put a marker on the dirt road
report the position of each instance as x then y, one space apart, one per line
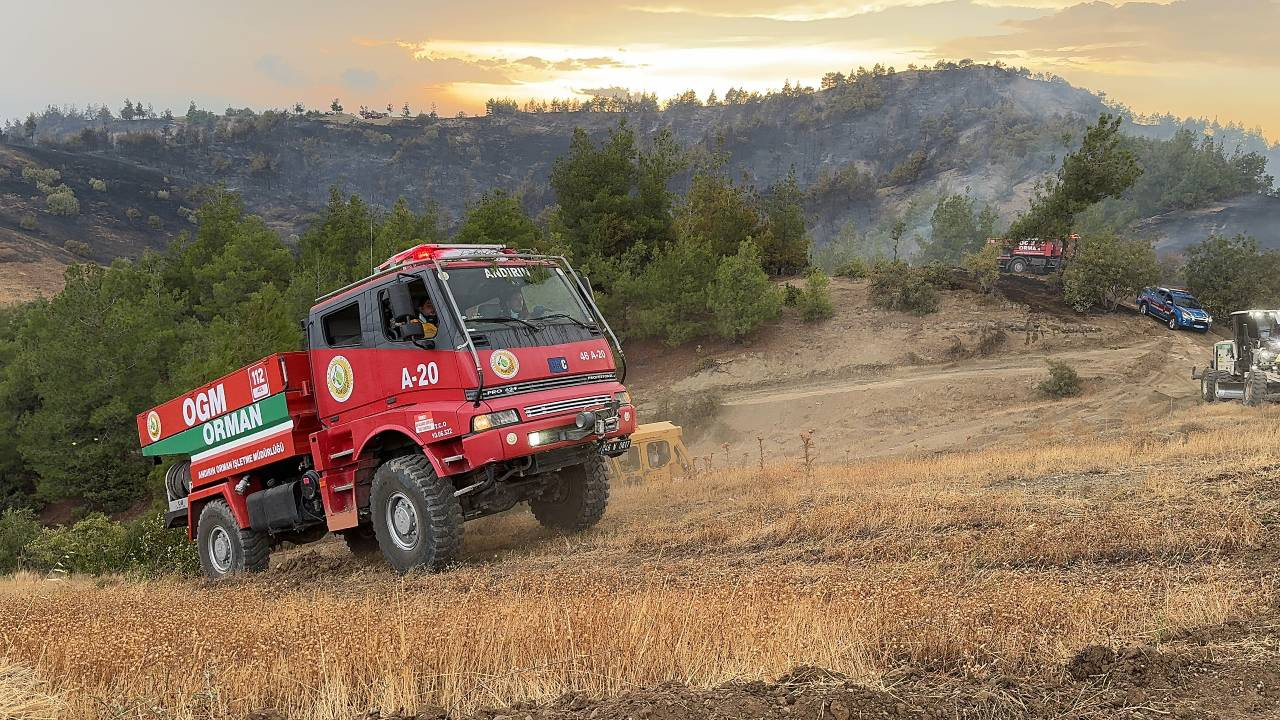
870 382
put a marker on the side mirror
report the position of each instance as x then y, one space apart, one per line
401 302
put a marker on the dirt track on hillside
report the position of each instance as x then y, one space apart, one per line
870 382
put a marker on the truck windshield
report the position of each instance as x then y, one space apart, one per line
533 297
1186 301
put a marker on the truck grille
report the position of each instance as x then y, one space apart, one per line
547 384
564 406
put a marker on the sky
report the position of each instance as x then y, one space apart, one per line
1203 58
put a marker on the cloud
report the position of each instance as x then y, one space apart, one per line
359 78
279 71
1219 32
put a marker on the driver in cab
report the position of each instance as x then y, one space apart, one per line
427 318
511 303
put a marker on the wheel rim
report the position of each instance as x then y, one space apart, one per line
1142 309
220 550
402 522
1173 323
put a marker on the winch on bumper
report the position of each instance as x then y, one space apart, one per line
610 427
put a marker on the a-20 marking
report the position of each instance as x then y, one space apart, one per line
592 355
425 375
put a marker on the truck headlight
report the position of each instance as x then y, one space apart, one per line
623 398
480 423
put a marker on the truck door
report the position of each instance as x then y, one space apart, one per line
343 362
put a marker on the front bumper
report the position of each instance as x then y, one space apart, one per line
523 439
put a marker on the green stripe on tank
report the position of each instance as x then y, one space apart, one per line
224 428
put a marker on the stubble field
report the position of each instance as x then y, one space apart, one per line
1131 576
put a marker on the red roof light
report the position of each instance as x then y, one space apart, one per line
437 251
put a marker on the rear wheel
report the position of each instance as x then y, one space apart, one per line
226 549
575 500
1255 388
416 518
361 541
1209 386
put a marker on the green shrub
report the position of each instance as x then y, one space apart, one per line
741 298
63 203
95 545
152 549
1063 381
99 185
154 221
898 286
815 300
75 247
790 295
37 176
854 269
984 266
133 213
18 527
28 221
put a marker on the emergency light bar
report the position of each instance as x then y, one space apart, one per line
437 251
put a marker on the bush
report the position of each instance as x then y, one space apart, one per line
155 221
133 213
18 527
815 300
95 545
1063 381
38 176
99 185
1107 269
898 286
63 203
790 295
161 194
854 269
154 550
984 266
741 298
27 221
75 247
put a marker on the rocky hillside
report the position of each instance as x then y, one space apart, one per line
885 144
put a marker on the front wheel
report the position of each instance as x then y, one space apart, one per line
1209 386
416 518
1255 388
226 549
1142 308
1173 322
1018 266
576 499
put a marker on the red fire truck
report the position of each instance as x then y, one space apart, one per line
1034 255
453 383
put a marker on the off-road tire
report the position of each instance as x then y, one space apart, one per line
1142 308
245 550
1255 388
1209 386
409 482
1018 266
1173 322
361 541
576 500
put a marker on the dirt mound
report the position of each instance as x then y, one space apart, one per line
1127 667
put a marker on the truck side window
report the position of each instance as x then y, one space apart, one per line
418 290
342 326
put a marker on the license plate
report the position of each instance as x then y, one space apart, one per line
616 446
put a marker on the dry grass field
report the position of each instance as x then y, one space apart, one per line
911 577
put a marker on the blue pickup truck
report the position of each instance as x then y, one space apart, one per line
1177 308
